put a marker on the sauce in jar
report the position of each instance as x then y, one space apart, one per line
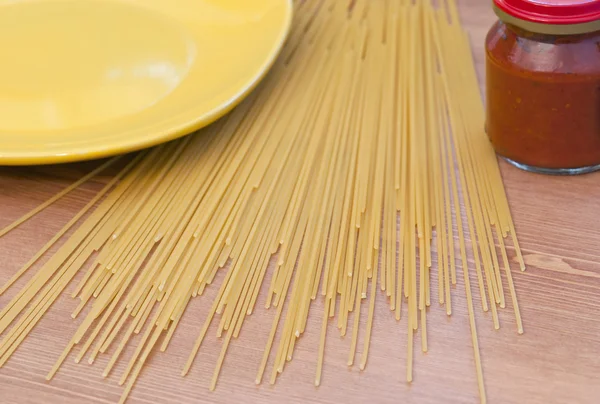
543 84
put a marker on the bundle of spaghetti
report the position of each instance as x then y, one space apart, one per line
371 115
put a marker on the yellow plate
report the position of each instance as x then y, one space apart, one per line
82 79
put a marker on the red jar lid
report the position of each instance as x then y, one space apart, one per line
555 12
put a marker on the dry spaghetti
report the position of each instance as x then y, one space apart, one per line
371 115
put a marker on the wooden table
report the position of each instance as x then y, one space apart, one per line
557 360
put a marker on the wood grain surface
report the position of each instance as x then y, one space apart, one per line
557 360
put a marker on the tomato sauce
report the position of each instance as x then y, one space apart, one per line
543 98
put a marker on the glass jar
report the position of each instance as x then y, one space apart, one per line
543 84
